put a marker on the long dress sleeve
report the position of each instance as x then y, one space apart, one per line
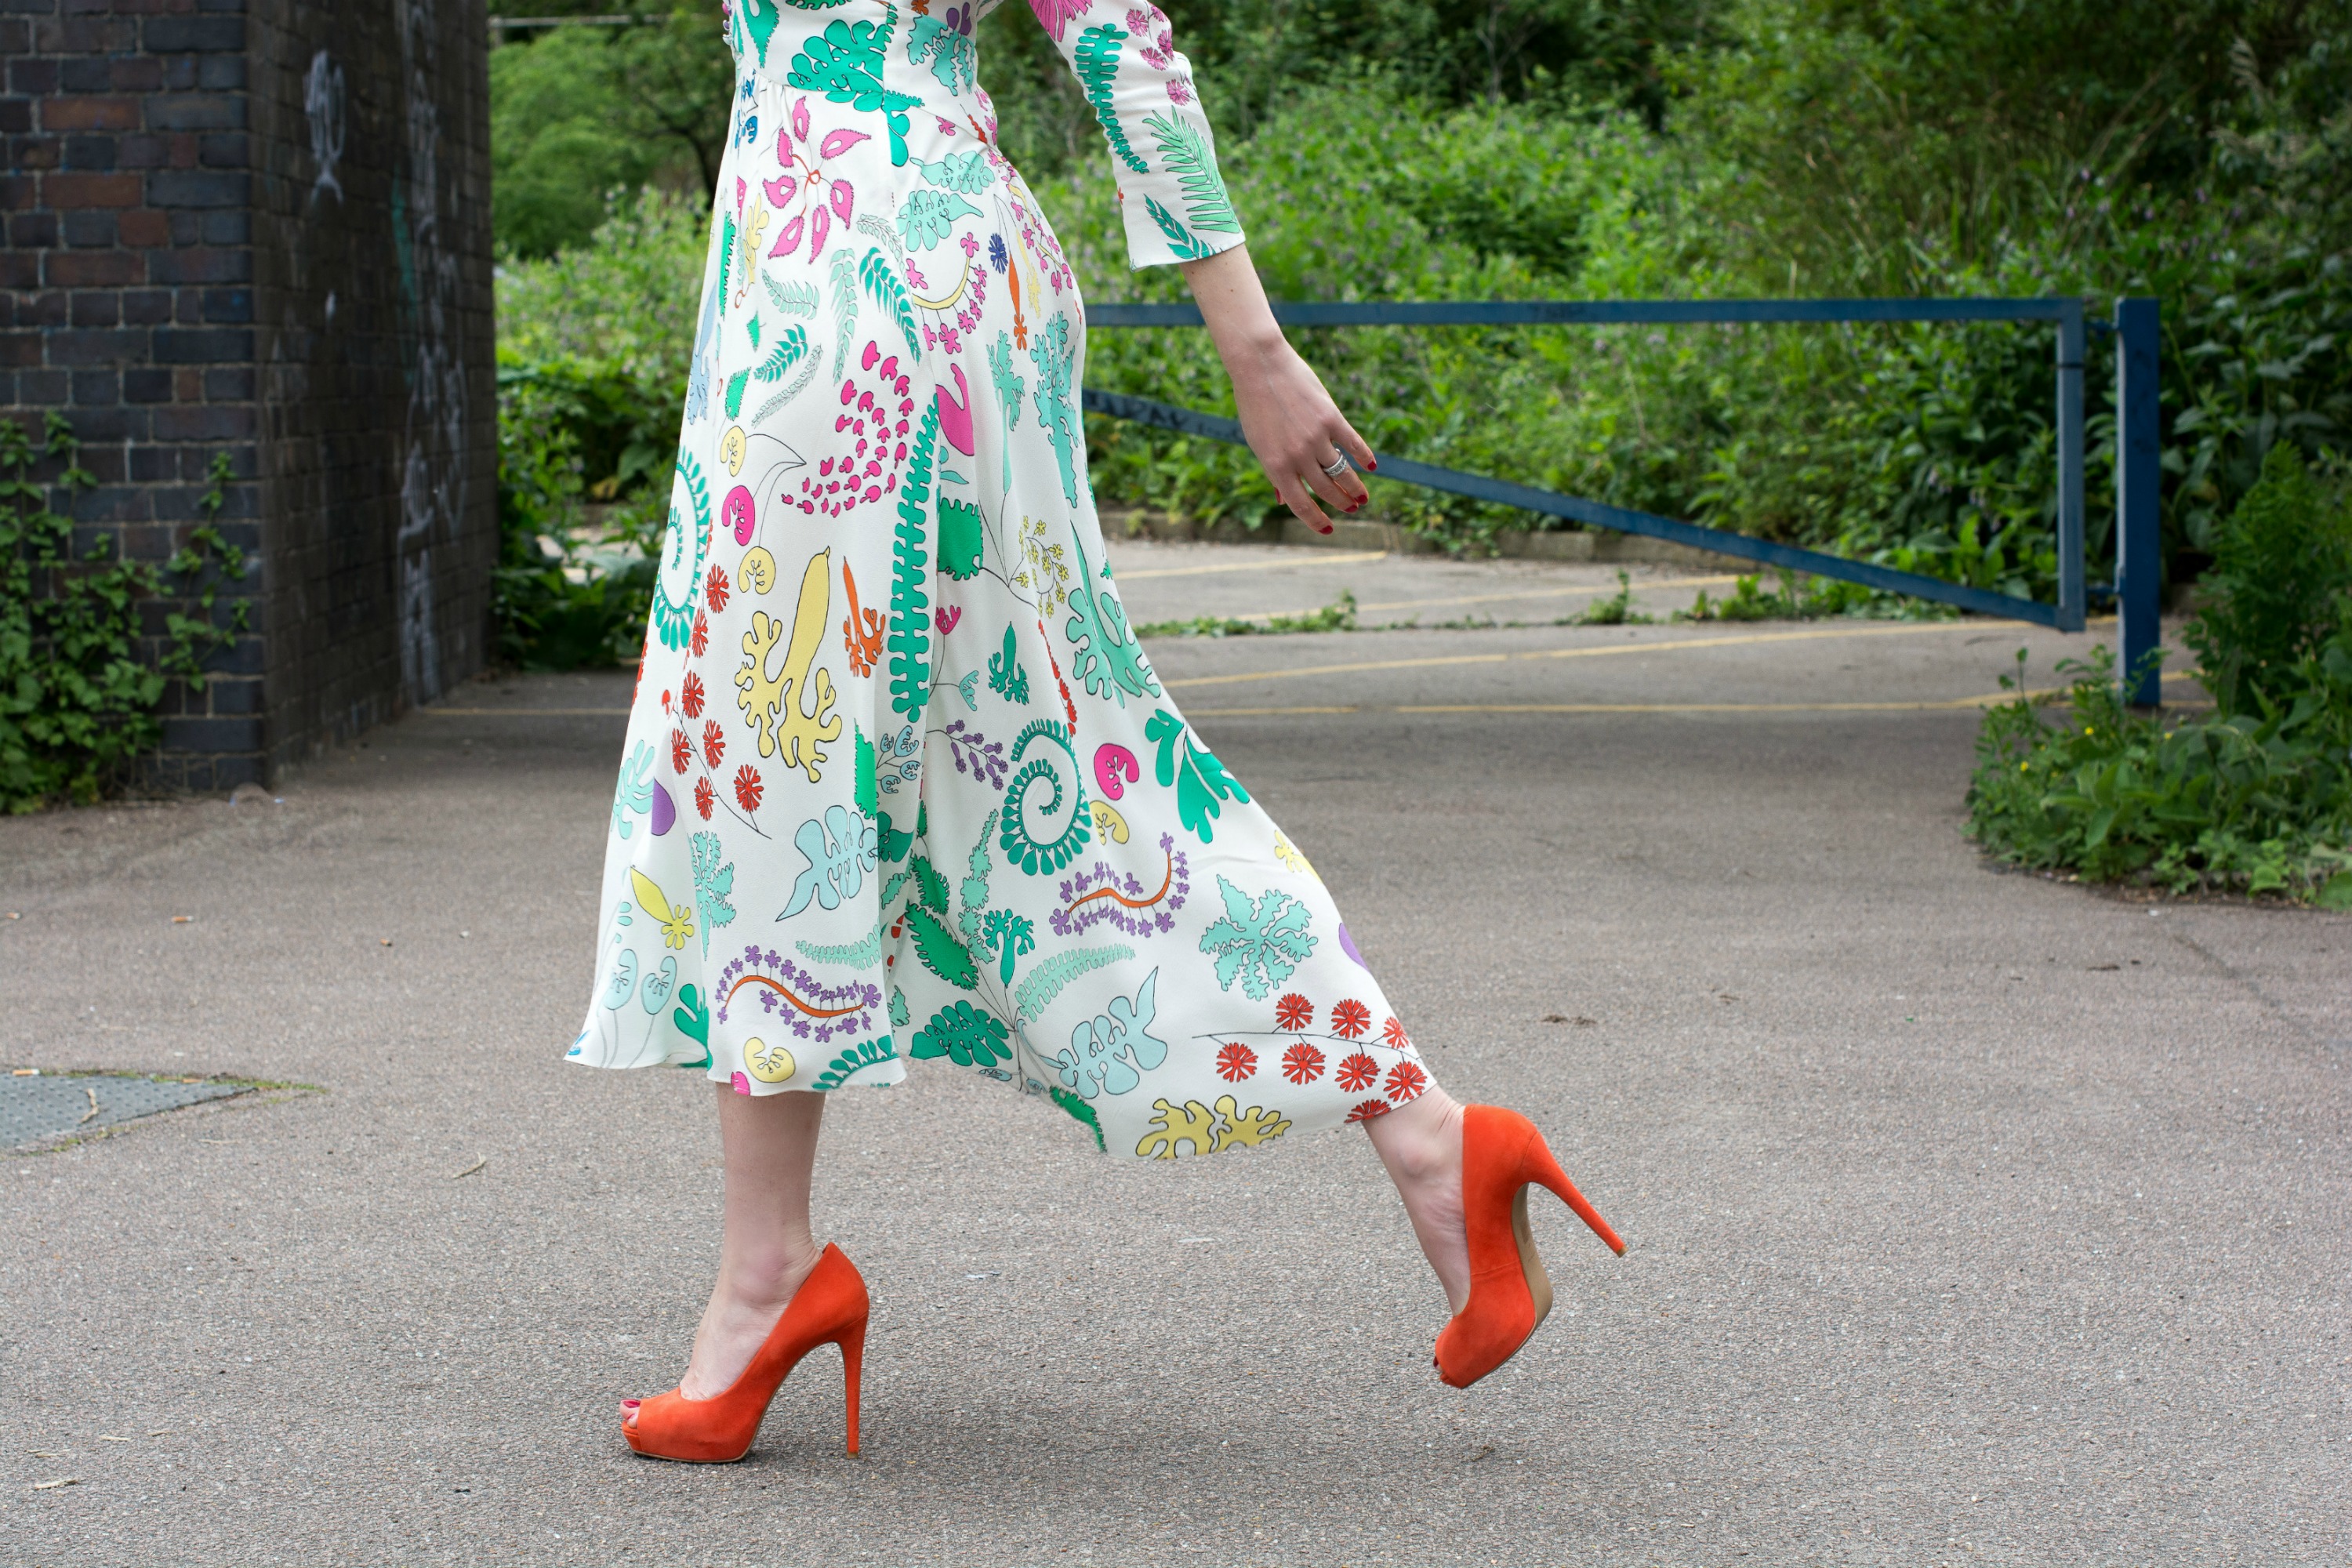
1163 156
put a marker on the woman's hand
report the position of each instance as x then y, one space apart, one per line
1289 421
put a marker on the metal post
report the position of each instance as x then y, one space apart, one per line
2139 534
2071 596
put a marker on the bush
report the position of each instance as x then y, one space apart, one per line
2256 797
77 703
593 350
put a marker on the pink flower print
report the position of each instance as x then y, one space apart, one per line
1180 89
971 245
1056 16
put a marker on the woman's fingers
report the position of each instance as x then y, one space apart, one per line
1339 491
1359 450
1301 502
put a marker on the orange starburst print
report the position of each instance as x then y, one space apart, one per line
681 751
1294 1012
1302 1063
1349 1019
1392 1035
714 743
748 790
714 587
1405 1082
689 696
1237 1062
705 797
1368 1109
1356 1072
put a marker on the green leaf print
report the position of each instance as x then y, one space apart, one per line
1260 942
967 1035
1008 390
910 604
862 953
1081 1109
931 886
1199 779
751 330
787 353
758 19
1006 676
1009 936
846 63
1045 981
712 884
1107 657
1097 59
792 298
973 890
735 384
845 306
960 539
865 786
882 282
1052 354
965 172
692 1016
954 61
942 953
864 1054
634 792
1185 152
1180 239
930 217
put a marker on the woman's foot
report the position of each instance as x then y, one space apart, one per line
744 1308
1420 1144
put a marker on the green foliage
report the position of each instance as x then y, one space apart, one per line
2256 797
78 702
1798 598
1339 616
2279 587
580 114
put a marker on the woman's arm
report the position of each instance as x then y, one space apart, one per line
1290 422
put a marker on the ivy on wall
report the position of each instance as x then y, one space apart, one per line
77 703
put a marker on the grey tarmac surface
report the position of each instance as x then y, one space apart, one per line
1974 1218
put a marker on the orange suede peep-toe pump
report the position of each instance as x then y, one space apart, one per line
830 1308
1502 1155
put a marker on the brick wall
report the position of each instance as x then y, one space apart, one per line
262 227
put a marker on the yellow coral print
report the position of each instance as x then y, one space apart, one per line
769 1064
1246 1128
1194 1123
792 709
758 572
1290 856
677 925
1108 822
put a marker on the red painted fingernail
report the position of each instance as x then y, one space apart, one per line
1371 462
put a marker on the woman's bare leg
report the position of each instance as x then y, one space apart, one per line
1420 1144
765 1250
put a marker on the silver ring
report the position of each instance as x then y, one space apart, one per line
1337 466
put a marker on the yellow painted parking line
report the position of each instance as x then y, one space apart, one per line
528 712
1319 558
1811 634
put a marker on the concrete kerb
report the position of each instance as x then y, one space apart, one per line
1583 546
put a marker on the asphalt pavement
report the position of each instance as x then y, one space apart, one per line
1974 1218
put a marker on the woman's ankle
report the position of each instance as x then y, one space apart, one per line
1422 1140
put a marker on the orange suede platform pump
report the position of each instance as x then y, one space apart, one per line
830 1308
1502 1154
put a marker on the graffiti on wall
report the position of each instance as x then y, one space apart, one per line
433 476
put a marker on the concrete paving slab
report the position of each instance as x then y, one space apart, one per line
1975 1217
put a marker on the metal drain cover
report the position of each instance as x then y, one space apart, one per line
32 1109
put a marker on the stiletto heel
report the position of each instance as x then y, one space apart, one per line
1510 1294
830 1308
853 1375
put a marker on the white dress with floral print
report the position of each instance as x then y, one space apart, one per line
899 781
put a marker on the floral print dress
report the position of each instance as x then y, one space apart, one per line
899 781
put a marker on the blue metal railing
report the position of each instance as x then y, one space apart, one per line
2137 547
